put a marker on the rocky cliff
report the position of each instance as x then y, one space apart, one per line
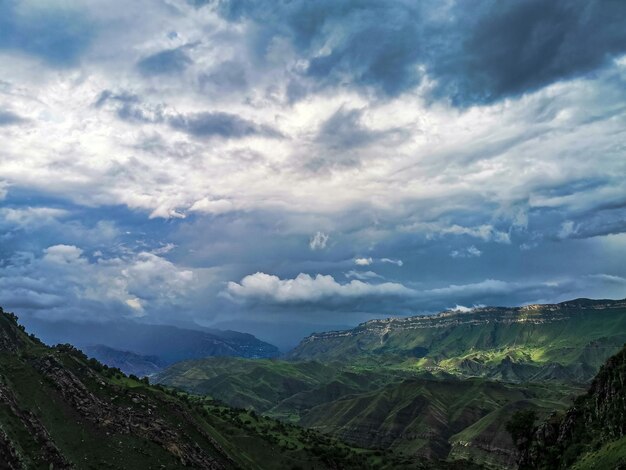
585 433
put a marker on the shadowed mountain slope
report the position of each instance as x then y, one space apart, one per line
592 433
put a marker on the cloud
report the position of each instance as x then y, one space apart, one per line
319 241
63 254
523 46
305 288
165 62
261 290
469 54
31 216
344 139
485 232
407 131
367 43
219 124
461 309
363 261
470 252
363 275
64 283
208 206
397 262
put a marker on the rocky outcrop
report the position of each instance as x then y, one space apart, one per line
598 417
49 452
123 420
9 457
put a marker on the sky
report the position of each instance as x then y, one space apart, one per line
282 167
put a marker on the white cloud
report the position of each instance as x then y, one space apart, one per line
63 254
319 241
363 275
219 206
306 288
67 282
470 252
461 309
31 216
568 228
485 232
397 262
162 250
363 261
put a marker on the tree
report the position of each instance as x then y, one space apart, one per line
521 427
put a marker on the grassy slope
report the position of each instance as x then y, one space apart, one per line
611 455
373 407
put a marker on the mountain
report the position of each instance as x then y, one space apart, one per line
567 341
61 410
438 387
126 361
168 343
589 435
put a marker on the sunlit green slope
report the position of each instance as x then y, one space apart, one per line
567 342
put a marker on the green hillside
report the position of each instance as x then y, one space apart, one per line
416 414
566 342
60 410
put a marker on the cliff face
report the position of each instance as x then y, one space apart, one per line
536 314
596 420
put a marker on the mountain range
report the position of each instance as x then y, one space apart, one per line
439 386
143 349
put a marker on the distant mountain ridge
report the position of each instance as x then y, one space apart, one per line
533 313
567 341
128 362
168 343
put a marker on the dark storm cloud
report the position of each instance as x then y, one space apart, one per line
218 124
58 36
345 130
478 52
166 62
129 107
519 46
372 43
